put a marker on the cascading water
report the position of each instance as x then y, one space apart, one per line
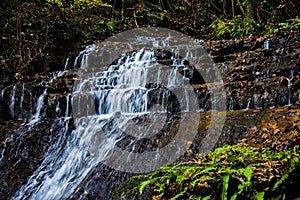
230 104
83 57
248 103
35 118
113 101
12 101
66 63
40 101
121 94
289 91
22 100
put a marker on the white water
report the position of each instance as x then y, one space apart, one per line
290 85
230 101
84 54
121 94
248 103
16 101
292 73
266 44
2 93
66 63
12 101
40 102
21 101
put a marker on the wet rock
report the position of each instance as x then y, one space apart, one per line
256 76
22 152
23 146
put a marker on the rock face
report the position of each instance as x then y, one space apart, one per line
258 73
22 152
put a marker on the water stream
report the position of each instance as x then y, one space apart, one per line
21 101
104 111
12 101
121 95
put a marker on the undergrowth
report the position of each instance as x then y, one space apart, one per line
230 172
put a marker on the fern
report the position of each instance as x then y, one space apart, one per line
179 195
293 164
242 170
225 179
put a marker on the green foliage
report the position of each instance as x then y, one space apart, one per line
37 36
230 172
259 196
246 17
235 27
84 3
293 24
225 182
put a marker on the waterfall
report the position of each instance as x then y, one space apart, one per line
40 102
66 63
14 98
117 104
83 55
266 44
12 101
290 85
122 95
230 102
248 103
292 73
21 101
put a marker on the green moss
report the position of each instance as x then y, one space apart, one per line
230 172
